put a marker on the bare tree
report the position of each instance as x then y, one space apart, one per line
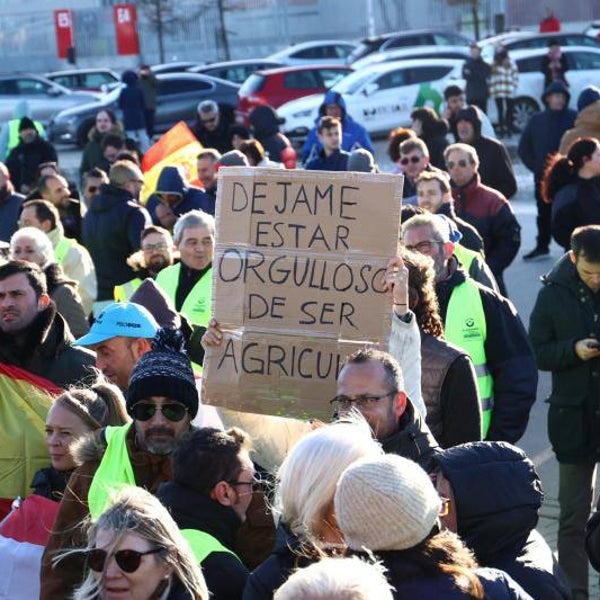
474 4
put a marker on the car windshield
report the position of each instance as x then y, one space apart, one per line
354 81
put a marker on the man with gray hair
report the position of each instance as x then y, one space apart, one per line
212 125
112 228
485 325
189 283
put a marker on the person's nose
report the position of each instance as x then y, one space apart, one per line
158 418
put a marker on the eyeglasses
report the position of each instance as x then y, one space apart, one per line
422 247
127 560
144 411
459 163
153 247
254 484
413 159
362 401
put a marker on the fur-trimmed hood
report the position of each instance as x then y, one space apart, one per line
89 448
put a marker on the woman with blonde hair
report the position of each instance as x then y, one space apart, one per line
304 500
135 550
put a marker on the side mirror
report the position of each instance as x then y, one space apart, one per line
54 91
370 88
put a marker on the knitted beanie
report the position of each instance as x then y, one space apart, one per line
588 96
164 371
386 503
26 123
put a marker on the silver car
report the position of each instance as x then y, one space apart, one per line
43 96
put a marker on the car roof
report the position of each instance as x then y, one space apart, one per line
310 67
76 71
401 34
233 63
196 77
414 62
528 52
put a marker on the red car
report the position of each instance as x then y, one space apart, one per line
278 86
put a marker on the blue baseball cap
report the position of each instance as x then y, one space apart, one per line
120 319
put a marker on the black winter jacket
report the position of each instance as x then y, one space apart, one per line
24 160
497 519
220 137
265 125
477 73
566 310
47 351
111 232
509 358
224 573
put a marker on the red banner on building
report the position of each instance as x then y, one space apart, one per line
125 17
63 24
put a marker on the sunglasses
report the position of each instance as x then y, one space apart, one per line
127 560
144 411
459 163
413 159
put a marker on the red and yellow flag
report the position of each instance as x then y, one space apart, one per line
177 147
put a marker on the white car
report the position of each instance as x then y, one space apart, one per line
381 97
332 52
584 69
375 58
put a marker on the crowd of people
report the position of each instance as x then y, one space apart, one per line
415 489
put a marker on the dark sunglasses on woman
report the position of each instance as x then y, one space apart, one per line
127 560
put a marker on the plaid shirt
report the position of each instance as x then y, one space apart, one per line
504 80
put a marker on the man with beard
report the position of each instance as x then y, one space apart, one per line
162 399
156 253
55 189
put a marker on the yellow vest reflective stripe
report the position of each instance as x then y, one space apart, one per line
123 292
13 133
114 472
465 256
60 252
203 544
466 327
197 304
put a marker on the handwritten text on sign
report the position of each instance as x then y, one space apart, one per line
298 283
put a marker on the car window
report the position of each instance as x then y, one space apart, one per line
354 81
315 52
8 87
70 81
533 64
442 39
252 85
584 60
31 87
181 86
95 80
580 40
341 51
302 80
392 79
329 77
409 40
426 74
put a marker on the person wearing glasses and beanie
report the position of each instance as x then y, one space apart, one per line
135 550
213 484
388 505
162 399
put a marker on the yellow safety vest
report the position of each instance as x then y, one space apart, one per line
115 470
466 327
62 248
203 544
465 256
13 133
124 291
196 306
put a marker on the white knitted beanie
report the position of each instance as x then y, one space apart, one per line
386 503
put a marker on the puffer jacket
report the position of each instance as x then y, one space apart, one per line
497 496
565 311
587 124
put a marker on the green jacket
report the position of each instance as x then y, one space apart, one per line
566 311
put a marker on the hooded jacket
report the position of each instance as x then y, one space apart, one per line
171 181
354 135
497 520
566 310
111 231
24 160
265 125
131 102
587 124
495 166
476 73
224 573
435 136
544 130
92 153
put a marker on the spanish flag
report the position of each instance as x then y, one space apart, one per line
177 147
25 399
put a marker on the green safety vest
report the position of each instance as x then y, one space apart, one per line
465 256
197 304
124 291
60 252
115 470
466 327
203 544
13 133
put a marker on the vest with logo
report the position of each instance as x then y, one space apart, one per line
466 327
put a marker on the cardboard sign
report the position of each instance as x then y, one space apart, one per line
298 272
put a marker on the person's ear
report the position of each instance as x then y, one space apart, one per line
140 346
400 404
43 301
572 256
448 249
46 225
223 493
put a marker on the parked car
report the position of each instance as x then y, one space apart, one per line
178 98
235 71
44 97
584 66
593 30
380 97
278 86
180 66
460 52
407 39
320 51
85 79
522 41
